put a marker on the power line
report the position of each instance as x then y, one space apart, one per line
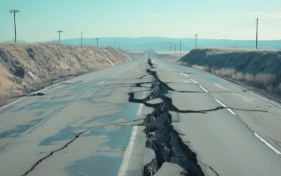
271 23
47 26
277 19
39 23
15 11
236 26
236 32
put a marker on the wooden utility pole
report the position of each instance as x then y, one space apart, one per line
15 11
59 34
81 38
180 48
196 40
257 33
97 41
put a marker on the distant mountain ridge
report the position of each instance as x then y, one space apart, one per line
165 44
160 44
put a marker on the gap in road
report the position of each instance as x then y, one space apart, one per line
161 136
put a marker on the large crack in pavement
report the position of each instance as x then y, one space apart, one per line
161 136
51 153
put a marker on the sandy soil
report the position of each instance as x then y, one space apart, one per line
22 66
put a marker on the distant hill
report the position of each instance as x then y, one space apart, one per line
12 41
160 44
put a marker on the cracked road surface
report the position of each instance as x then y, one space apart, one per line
145 117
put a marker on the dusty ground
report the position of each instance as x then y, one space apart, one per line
25 67
256 70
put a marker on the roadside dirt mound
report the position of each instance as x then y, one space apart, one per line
24 67
260 69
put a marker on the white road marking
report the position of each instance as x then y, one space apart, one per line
220 103
12 103
265 99
128 152
22 99
220 86
194 81
225 106
266 143
278 105
100 83
184 74
110 62
231 111
204 89
238 86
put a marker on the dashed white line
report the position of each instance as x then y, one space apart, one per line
204 89
184 74
223 105
231 111
266 143
128 152
220 103
193 81
100 83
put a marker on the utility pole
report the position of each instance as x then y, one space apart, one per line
257 33
81 38
97 41
180 48
59 34
196 40
15 11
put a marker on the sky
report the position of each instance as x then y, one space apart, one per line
38 20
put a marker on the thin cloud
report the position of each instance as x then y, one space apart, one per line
267 15
156 16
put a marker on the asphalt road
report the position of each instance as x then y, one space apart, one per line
172 119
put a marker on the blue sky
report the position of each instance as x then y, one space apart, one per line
218 19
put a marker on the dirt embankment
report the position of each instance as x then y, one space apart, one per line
25 67
258 70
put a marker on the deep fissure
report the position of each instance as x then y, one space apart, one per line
160 134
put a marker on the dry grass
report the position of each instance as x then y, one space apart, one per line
3 96
261 80
202 68
7 94
49 62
